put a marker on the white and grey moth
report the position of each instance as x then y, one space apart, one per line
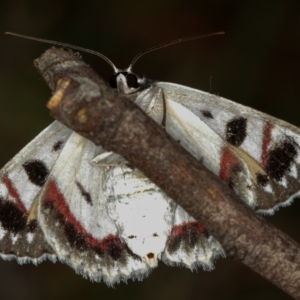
63 198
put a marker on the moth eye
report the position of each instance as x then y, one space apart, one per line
113 81
132 81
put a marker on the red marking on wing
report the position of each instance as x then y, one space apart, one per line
228 160
14 194
110 240
188 233
266 142
185 228
54 195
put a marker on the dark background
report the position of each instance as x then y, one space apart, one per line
256 63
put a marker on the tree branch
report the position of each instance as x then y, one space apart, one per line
83 102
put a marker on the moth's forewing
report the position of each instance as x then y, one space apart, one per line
21 182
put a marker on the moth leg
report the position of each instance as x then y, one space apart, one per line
109 159
153 102
101 157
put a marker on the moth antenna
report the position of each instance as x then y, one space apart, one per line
67 46
163 45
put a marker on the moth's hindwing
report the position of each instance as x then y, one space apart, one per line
110 222
74 216
189 244
21 182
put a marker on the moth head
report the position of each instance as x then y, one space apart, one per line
126 82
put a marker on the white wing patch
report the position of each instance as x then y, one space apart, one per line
133 199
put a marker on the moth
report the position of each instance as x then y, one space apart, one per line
63 198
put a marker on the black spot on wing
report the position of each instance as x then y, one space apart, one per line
86 195
280 159
37 171
12 218
32 225
114 249
262 179
57 146
207 114
75 238
236 131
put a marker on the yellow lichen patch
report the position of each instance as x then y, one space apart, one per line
62 85
81 115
